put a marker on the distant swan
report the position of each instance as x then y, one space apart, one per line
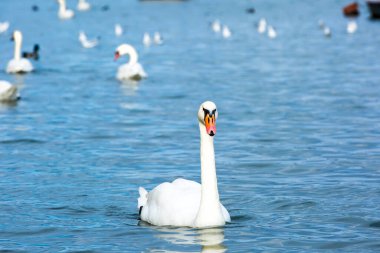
8 92
86 43
147 40
18 64
4 26
352 26
226 33
64 13
131 70
184 202
157 38
118 30
83 5
262 26
272 32
216 26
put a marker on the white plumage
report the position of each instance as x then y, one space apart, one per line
131 70
118 30
64 13
4 26
18 64
184 202
8 92
83 5
86 43
226 33
352 26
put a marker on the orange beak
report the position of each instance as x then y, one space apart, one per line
117 55
210 124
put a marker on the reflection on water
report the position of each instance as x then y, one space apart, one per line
129 87
210 239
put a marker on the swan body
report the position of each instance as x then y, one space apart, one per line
352 26
131 70
262 26
272 32
147 40
118 30
8 92
86 43
216 26
18 64
83 5
157 38
64 13
184 202
4 26
226 33
327 31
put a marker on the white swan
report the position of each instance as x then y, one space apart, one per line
157 38
118 30
4 26
272 32
131 70
86 43
184 202
8 92
327 31
147 40
262 26
18 64
352 26
216 27
226 33
83 5
64 13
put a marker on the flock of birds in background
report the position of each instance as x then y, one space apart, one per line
129 71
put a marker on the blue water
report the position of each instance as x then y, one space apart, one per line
297 148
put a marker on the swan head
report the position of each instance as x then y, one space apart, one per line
207 116
125 49
17 36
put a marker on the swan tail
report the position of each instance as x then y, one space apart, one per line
141 201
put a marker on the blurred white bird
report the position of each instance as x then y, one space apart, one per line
86 43
157 38
118 30
262 26
327 31
216 27
83 5
226 33
8 92
272 32
146 40
4 26
64 13
352 26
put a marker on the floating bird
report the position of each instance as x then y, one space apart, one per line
187 203
83 5
8 92
18 64
250 10
86 43
157 38
4 26
262 26
33 55
118 30
64 13
271 32
352 26
226 33
327 31
105 8
35 8
131 70
146 40
216 27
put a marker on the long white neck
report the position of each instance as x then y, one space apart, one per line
62 6
17 50
209 213
133 57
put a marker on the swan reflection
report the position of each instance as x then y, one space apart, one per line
210 239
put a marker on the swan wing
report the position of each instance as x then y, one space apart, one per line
16 66
174 204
